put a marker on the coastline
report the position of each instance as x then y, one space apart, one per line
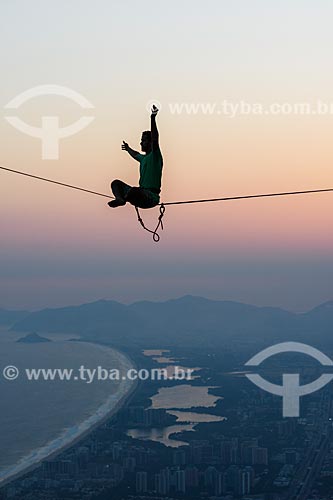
72 435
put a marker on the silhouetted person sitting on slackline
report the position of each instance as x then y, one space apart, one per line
151 163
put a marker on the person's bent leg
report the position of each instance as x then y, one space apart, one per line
120 190
141 198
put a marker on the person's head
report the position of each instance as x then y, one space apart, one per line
146 141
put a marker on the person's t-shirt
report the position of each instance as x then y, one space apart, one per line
151 166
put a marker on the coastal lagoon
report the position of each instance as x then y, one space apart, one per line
161 435
184 396
40 416
195 418
164 434
175 400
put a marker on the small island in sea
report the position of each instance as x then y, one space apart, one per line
33 338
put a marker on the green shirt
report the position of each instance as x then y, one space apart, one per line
151 166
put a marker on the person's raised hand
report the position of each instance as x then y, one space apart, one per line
124 146
154 110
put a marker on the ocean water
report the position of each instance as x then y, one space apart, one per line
39 417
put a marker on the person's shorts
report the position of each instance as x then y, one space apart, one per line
138 196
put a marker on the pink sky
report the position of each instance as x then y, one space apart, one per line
60 246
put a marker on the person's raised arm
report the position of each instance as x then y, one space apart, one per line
134 154
154 131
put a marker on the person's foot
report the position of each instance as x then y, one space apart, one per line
116 203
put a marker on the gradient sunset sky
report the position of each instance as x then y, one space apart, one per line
61 247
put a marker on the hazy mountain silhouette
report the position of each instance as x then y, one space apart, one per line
187 319
10 317
93 319
190 316
33 338
319 319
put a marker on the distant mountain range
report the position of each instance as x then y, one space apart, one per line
10 317
186 321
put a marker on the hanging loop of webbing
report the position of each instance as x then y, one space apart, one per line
156 236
